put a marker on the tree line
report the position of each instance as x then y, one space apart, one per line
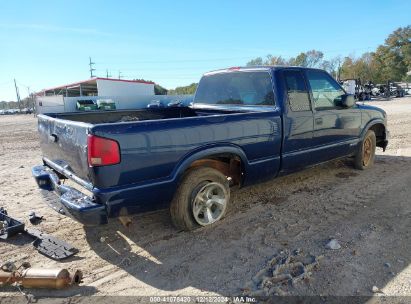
389 62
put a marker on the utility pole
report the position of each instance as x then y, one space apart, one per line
17 94
107 74
339 71
30 99
91 64
119 75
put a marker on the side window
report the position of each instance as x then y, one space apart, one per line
298 97
326 91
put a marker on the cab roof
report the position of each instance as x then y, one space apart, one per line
256 68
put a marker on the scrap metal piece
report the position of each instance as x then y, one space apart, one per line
8 225
125 221
55 278
45 243
34 218
51 246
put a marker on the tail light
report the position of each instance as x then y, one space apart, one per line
102 151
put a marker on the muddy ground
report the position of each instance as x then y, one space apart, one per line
368 212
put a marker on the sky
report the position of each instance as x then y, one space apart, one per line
48 43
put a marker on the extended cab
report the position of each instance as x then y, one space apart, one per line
245 125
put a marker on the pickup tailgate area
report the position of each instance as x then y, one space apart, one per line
64 142
64 147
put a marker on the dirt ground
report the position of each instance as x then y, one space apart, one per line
368 212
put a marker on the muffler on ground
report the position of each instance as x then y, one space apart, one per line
54 278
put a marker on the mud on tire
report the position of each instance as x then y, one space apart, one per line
365 156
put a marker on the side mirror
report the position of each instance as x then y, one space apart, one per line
347 100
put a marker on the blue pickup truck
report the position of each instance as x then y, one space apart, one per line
245 125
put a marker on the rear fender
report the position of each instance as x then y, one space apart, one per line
206 152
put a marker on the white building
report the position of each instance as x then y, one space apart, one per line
125 93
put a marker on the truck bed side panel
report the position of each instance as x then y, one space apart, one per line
151 154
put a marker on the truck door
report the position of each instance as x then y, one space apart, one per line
298 122
336 129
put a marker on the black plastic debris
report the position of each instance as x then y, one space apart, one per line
34 218
51 246
44 243
9 226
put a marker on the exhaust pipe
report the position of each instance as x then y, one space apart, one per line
56 278
125 221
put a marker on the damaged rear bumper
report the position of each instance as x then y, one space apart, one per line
71 202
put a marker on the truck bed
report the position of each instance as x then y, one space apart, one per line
99 117
63 136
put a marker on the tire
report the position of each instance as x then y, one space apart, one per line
201 199
365 156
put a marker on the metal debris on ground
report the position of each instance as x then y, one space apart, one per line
46 244
283 270
34 218
8 225
28 277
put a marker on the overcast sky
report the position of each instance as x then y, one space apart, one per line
48 43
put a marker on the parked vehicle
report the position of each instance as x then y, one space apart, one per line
394 90
246 125
397 90
354 87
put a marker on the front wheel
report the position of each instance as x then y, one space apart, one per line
364 158
201 199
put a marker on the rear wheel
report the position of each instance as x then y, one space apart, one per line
201 199
366 154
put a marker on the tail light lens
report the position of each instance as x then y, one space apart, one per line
102 151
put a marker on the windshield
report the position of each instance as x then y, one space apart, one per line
239 88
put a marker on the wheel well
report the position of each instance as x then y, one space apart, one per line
379 130
228 164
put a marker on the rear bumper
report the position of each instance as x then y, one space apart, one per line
70 201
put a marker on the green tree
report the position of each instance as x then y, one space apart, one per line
255 62
362 68
187 90
300 60
275 60
392 60
159 90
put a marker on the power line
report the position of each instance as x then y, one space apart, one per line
174 61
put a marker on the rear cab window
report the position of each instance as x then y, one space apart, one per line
249 88
297 92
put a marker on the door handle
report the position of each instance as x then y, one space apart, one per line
319 121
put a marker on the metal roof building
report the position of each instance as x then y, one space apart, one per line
98 86
125 93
